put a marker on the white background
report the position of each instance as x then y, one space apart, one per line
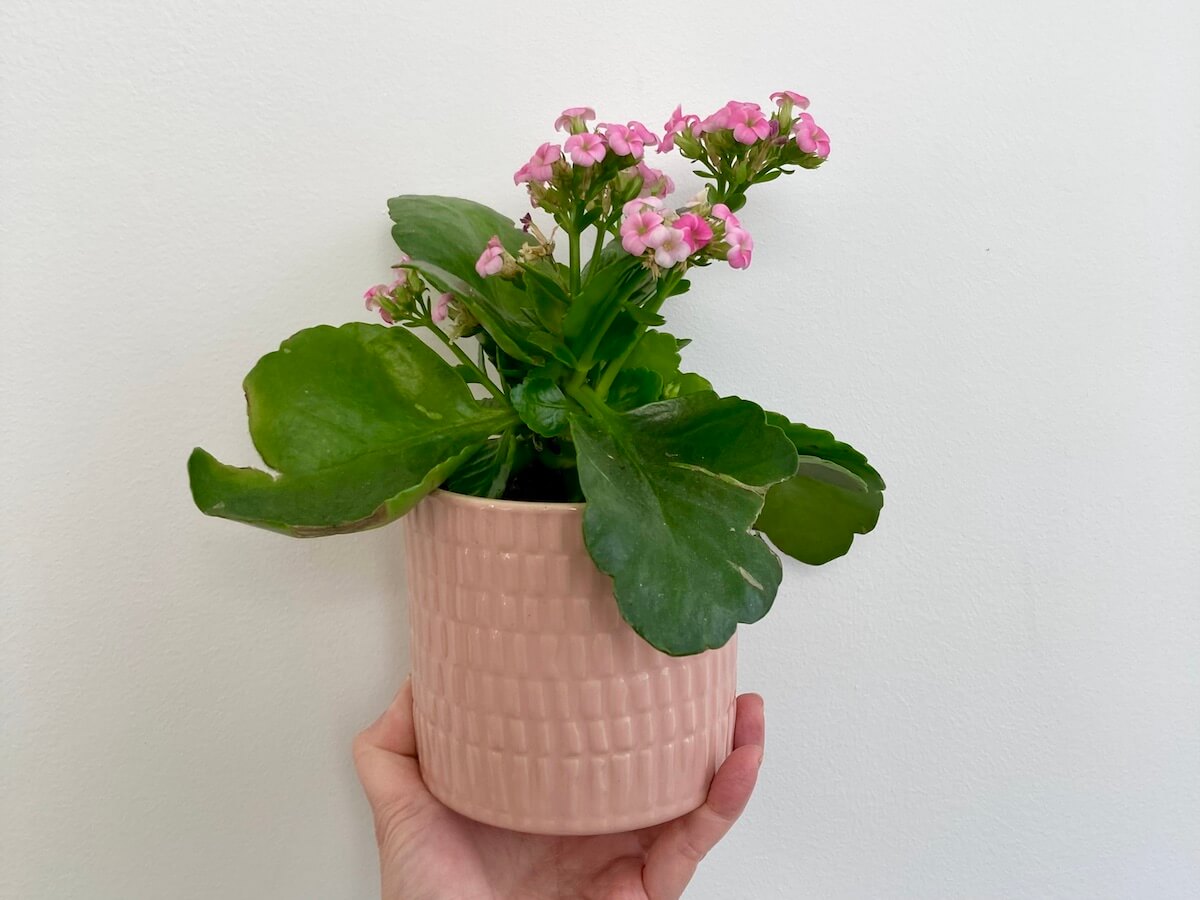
991 288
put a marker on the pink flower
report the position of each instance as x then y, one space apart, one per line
642 230
678 124
491 260
628 140
572 119
721 118
641 204
748 123
643 134
586 149
811 137
696 232
373 302
722 212
541 164
373 294
672 249
654 182
619 140
797 100
741 246
522 176
442 307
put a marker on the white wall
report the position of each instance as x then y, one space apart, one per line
992 288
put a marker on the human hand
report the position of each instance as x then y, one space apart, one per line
429 852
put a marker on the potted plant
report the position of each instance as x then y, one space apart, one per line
587 519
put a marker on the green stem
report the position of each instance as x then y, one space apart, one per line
589 352
594 262
573 236
467 361
586 397
614 368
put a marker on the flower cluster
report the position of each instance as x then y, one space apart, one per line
599 176
407 300
399 300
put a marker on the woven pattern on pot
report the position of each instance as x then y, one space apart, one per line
537 707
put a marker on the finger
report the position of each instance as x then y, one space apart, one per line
671 861
749 726
393 731
385 756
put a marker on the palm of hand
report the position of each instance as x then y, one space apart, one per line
429 852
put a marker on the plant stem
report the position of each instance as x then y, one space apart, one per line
573 237
613 368
586 397
594 262
467 361
589 352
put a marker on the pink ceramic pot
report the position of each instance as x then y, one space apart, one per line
537 708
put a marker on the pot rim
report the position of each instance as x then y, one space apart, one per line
472 502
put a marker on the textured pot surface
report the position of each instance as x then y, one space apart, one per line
537 707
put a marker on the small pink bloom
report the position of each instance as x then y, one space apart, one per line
721 119
541 164
522 176
586 149
741 246
811 137
620 140
672 249
748 123
654 181
676 125
373 294
374 303
798 100
641 204
696 231
442 307
641 230
722 212
491 260
625 140
643 134
572 119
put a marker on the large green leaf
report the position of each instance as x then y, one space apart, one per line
834 495
659 352
672 490
444 237
360 421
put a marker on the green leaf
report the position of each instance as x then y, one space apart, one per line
823 445
547 293
486 473
360 421
687 383
834 495
606 290
672 491
633 388
541 405
659 352
444 237
623 330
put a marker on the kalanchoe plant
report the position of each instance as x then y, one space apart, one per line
579 393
